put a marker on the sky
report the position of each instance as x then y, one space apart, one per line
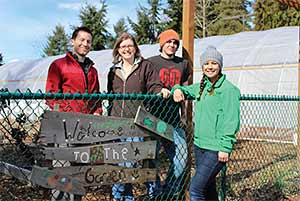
25 24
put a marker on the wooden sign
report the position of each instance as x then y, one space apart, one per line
50 179
153 124
76 128
104 153
106 174
14 171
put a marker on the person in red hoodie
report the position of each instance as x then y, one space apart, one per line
75 73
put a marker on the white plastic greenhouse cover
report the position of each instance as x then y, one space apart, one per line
264 62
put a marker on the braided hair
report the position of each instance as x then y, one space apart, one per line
202 84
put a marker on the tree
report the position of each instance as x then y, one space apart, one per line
155 19
174 15
271 14
141 27
205 16
233 17
218 17
148 26
1 59
120 27
96 21
57 43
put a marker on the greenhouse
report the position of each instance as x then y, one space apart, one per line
263 62
263 166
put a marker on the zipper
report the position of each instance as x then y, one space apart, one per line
86 78
86 83
124 88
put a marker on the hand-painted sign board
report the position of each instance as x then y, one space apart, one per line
104 153
50 179
153 124
15 171
73 179
87 139
106 174
74 128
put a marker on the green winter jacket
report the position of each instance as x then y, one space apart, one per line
216 115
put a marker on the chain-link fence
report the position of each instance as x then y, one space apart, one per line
92 147
51 151
264 164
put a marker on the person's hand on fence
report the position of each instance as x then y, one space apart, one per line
165 93
223 156
178 95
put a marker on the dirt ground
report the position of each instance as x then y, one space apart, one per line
263 171
258 170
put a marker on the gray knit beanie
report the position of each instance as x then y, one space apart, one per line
211 54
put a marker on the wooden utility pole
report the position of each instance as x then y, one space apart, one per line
298 104
204 19
188 33
188 53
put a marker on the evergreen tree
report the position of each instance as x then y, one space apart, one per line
154 18
220 17
271 14
233 17
205 16
142 26
1 59
57 43
148 26
174 14
96 21
120 27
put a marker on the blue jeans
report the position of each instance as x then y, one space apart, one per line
124 191
203 184
177 155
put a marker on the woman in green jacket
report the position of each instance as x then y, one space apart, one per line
216 119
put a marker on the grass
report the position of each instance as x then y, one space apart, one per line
262 171
258 170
